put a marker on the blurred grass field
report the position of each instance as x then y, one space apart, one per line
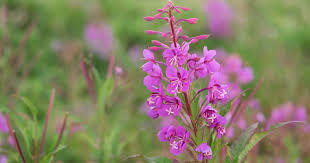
271 36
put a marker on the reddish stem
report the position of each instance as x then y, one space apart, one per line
240 110
189 111
46 120
188 106
172 28
18 147
111 65
201 90
13 135
91 65
64 124
89 81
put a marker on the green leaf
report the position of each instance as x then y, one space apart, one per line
26 139
23 133
32 108
239 145
97 76
195 106
105 92
224 110
178 118
50 156
228 157
59 148
259 136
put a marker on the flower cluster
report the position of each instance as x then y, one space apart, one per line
172 92
287 112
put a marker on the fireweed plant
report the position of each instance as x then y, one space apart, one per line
173 91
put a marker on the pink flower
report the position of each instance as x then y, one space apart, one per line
178 80
99 37
219 126
210 115
254 104
11 141
172 106
242 123
217 91
178 138
149 57
300 114
245 75
153 80
233 63
208 59
220 16
260 117
155 101
166 133
3 126
204 151
179 141
197 67
119 71
134 53
3 159
176 56
230 132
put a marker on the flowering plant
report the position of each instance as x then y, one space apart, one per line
174 93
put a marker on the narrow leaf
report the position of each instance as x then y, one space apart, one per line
239 145
32 108
257 137
105 92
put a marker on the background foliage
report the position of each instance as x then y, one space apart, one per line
272 36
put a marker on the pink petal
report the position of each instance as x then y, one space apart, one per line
151 32
149 18
147 67
171 72
201 37
191 20
148 55
155 48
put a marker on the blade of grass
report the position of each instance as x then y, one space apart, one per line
64 124
46 121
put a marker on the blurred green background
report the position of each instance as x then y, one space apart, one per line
271 36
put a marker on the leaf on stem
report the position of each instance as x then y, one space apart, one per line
257 137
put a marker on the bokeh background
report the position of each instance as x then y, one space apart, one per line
43 42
